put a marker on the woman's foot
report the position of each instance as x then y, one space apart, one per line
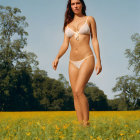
86 123
81 122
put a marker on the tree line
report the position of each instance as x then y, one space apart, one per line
25 87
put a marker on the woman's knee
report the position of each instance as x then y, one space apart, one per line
78 92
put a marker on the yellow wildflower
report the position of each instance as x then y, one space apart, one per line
57 127
91 137
28 133
121 134
94 126
61 136
65 126
7 127
36 138
37 123
138 131
43 127
98 138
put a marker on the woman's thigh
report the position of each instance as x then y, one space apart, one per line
73 74
84 73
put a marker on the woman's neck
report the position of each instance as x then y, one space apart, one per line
78 16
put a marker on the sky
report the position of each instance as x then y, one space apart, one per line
116 22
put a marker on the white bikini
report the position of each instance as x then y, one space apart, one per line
83 30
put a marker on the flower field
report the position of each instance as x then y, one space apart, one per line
63 125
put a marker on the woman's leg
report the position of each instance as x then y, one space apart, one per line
84 74
73 74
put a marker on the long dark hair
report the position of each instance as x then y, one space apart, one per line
69 15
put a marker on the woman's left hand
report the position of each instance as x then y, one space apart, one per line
98 67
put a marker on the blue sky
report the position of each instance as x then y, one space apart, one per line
116 21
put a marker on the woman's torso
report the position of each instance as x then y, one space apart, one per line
80 48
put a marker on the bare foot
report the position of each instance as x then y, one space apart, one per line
86 123
81 122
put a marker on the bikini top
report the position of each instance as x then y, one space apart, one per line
83 30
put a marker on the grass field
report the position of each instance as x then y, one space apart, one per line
63 125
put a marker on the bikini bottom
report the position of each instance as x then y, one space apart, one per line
78 63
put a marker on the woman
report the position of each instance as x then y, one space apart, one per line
77 30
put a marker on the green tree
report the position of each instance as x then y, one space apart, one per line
130 85
55 94
96 97
68 95
63 80
15 63
134 55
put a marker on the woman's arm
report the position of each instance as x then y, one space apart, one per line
64 47
95 43
62 50
94 38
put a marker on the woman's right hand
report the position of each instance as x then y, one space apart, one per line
55 63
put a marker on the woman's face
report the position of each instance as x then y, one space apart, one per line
76 6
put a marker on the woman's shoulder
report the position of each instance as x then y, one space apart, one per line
91 18
66 26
